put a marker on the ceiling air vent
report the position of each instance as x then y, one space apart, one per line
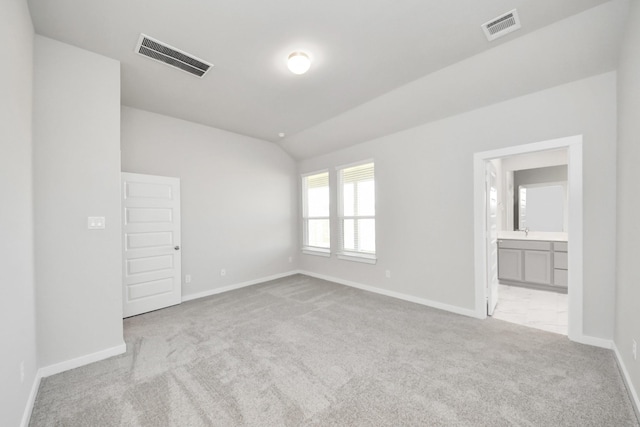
171 56
502 25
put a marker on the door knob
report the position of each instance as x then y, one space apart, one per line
177 248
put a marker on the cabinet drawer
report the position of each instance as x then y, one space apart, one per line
560 278
560 260
560 246
534 245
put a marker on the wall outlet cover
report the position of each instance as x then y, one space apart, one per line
96 223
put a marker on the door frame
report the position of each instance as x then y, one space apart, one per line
492 286
573 144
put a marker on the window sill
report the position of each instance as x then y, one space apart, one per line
317 252
364 258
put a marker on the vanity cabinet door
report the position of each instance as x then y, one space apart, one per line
537 267
510 264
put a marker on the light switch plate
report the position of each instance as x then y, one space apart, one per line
96 223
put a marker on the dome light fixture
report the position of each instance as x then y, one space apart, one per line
298 63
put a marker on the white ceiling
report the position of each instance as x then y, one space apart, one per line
361 50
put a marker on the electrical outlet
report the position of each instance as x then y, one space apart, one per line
187 278
290 259
95 223
22 371
634 349
387 273
223 272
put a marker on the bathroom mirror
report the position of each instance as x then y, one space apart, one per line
542 207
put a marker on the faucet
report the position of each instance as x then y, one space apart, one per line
526 231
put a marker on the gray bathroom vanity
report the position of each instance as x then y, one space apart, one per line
540 264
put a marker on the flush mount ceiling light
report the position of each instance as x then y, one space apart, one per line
298 62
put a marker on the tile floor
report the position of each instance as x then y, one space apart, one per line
530 307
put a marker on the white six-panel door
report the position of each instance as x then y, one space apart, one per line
151 243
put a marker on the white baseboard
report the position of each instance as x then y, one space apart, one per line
47 371
393 294
57 368
594 341
627 380
583 339
237 286
119 349
26 415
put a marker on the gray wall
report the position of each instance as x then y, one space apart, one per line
17 305
238 197
628 234
540 175
425 232
424 179
77 174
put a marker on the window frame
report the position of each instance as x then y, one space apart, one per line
306 248
347 254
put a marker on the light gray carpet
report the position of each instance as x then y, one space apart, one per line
302 351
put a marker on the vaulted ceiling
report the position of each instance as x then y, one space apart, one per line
369 57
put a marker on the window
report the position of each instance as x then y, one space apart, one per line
357 212
315 213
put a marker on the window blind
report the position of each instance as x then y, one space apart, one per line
317 181
315 217
356 216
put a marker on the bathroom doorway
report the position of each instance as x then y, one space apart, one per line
537 261
529 240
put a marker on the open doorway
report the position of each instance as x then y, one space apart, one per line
527 225
531 261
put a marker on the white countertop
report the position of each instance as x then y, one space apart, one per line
534 235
